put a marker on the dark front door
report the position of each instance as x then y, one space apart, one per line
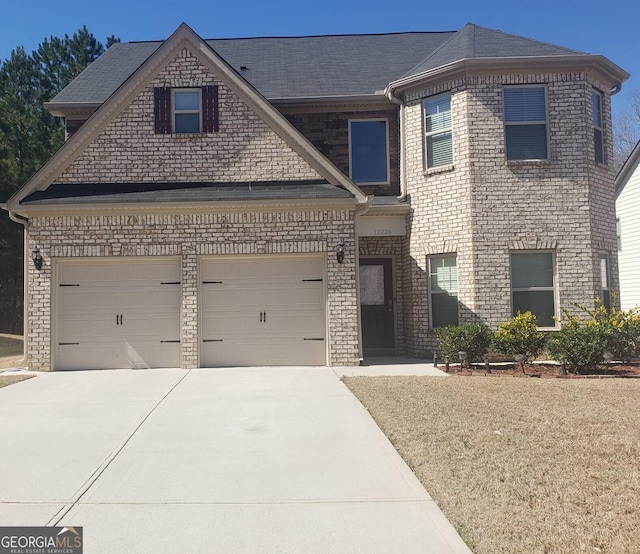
376 303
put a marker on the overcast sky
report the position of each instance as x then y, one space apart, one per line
608 28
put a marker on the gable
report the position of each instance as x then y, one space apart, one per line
251 141
243 149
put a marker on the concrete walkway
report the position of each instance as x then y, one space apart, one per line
225 460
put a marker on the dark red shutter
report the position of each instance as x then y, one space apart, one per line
162 109
210 109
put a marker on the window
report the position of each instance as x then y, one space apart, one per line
525 120
187 111
598 140
533 286
438 143
369 151
443 272
605 294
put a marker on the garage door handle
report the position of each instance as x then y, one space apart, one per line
118 319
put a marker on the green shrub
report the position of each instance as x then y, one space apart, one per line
621 330
519 335
580 345
583 342
472 338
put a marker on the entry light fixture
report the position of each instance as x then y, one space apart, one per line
37 259
340 252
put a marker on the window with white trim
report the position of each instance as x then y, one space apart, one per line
605 294
369 151
598 135
533 286
438 139
187 113
525 122
443 287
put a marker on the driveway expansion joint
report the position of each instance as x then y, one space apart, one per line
91 481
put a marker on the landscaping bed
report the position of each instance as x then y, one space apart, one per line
546 370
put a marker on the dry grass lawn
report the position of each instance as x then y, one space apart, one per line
520 465
10 350
6 380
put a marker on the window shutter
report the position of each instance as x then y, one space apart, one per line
162 110
210 109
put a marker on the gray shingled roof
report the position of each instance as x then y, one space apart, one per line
318 66
183 192
473 41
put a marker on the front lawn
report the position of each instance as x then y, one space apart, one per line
520 465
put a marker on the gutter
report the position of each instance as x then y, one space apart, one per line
23 221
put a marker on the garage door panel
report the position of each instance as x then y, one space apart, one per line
84 356
263 311
253 354
118 313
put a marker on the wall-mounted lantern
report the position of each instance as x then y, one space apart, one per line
37 259
340 252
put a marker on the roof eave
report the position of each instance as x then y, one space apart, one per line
606 69
40 210
66 109
84 110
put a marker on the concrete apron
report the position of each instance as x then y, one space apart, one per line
225 460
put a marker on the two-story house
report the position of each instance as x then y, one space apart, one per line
314 200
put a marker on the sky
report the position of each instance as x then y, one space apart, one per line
597 27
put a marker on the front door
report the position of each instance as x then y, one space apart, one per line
376 306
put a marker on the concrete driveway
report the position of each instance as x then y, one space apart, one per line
225 460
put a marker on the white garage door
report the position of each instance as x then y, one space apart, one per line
262 311
117 314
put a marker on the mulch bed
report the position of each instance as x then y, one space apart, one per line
629 371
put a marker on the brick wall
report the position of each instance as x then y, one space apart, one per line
191 236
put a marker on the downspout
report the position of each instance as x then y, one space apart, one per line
615 89
25 296
361 209
403 151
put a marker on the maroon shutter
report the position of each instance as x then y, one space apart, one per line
210 109
162 109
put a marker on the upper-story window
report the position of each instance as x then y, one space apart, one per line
525 122
438 140
598 136
186 110
369 151
187 114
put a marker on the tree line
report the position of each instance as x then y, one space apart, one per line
29 135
